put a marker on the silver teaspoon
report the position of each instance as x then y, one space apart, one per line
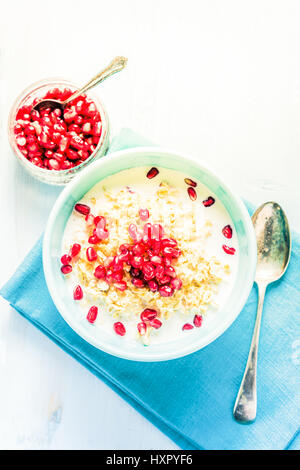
116 65
273 255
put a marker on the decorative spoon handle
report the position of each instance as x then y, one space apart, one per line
246 402
116 65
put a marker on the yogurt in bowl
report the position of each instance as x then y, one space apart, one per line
149 249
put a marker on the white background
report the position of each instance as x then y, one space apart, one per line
219 80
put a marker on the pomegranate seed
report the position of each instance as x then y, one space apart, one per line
176 283
156 323
77 293
190 182
166 291
93 239
132 230
149 271
91 254
148 315
144 214
148 231
208 202
21 141
82 209
197 321
119 328
92 314
170 251
192 193
101 233
138 249
170 271
66 269
159 272
137 261
157 232
153 285
53 164
99 219
75 249
152 173
227 231
122 285
100 272
142 328
156 259
229 250
165 280
169 242
138 282
65 259
187 326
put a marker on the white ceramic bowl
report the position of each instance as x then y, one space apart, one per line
114 344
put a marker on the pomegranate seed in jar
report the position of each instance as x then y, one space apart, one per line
92 314
187 326
142 328
77 293
91 254
192 193
66 269
229 250
208 202
227 231
82 209
197 321
152 173
190 182
119 328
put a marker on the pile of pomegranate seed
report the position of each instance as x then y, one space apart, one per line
150 255
56 141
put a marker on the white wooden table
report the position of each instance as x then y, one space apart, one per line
217 80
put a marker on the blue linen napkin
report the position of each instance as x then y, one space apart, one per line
191 399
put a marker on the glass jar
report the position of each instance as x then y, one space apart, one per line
39 90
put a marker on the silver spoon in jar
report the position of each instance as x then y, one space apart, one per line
116 65
273 255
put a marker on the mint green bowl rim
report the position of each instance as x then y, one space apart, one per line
66 200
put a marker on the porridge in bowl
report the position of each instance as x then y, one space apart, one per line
149 254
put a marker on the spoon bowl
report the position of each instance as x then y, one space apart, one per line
273 242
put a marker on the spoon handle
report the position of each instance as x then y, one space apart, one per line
116 65
246 402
